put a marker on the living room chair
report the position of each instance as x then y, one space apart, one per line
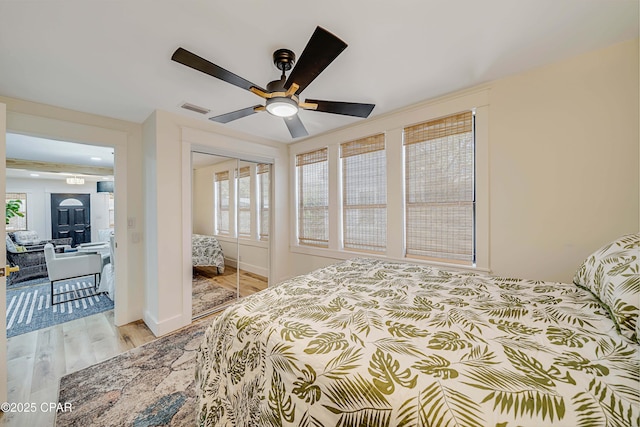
66 266
26 251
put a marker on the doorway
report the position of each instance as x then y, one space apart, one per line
67 204
71 217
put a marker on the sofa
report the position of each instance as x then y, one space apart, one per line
25 250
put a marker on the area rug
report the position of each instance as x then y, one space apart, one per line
151 385
207 295
29 308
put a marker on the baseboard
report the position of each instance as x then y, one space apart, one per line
255 269
160 328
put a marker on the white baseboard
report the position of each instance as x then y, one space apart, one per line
255 269
160 328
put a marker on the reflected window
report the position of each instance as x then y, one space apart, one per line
263 171
222 202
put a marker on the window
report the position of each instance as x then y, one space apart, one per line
364 194
313 198
439 189
263 173
112 211
244 202
222 202
17 222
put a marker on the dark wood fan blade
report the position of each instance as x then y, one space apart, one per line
345 108
322 48
194 61
234 115
296 128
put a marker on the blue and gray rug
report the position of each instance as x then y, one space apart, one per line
29 308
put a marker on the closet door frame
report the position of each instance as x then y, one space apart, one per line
187 217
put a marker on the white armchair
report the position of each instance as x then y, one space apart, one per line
65 266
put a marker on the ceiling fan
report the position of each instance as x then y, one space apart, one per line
282 96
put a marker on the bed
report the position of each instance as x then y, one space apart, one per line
374 343
207 252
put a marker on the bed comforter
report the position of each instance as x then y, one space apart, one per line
374 343
207 252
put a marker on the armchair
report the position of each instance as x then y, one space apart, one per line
28 255
65 266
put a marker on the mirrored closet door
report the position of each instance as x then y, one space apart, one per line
230 241
253 212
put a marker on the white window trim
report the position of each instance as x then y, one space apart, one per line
392 125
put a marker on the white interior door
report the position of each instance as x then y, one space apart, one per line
3 258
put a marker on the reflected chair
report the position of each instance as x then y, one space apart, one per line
66 266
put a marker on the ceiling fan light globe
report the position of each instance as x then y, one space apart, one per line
282 107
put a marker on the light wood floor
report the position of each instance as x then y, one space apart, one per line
37 360
250 283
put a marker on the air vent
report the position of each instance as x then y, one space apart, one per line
195 108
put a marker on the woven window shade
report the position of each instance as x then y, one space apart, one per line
439 185
264 184
364 194
222 202
221 176
311 157
244 201
313 198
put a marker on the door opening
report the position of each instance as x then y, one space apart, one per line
71 217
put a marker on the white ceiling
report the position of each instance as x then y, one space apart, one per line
24 147
113 57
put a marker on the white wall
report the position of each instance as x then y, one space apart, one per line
168 209
39 203
563 163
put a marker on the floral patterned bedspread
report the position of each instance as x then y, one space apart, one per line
374 343
206 251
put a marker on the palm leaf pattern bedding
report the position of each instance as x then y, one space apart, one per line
206 251
375 343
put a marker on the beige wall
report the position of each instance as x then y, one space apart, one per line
563 162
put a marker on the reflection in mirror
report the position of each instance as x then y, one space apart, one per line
214 243
231 215
253 216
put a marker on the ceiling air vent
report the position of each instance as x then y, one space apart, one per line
195 108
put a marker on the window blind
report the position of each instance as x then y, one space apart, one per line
244 201
439 189
313 198
221 180
264 177
364 194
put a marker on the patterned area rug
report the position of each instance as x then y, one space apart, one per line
152 385
208 295
29 308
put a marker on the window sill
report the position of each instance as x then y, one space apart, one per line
243 241
344 255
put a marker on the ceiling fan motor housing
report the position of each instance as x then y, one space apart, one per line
284 59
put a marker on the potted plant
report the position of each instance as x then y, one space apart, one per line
13 209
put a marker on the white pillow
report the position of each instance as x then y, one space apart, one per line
612 273
27 237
